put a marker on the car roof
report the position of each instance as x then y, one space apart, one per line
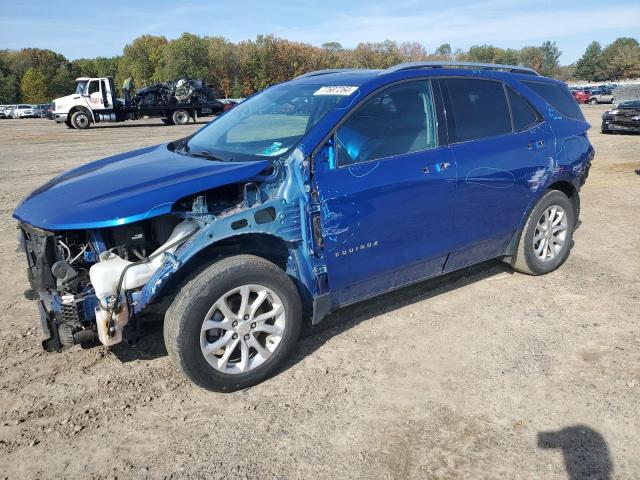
360 77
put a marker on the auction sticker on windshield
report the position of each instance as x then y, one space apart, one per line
336 90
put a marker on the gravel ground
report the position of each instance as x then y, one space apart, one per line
482 374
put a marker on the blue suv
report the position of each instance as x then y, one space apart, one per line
313 194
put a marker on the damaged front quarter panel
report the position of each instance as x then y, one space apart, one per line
273 205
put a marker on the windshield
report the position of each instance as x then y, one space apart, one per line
268 124
80 86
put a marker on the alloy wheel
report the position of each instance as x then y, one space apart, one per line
549 238
242 329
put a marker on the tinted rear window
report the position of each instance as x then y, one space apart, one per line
558 97
479 109
523 114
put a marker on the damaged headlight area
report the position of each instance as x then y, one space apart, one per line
86 281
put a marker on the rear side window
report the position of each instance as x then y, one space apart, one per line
398 120
559 97
479 107
523 114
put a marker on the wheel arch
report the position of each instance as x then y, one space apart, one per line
264 245
84 109
564 186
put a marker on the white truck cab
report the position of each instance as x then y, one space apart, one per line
93 101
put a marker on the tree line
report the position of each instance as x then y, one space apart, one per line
34 75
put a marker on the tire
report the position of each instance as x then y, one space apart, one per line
167 121
196 303
593 101
180 117
527 258
80 120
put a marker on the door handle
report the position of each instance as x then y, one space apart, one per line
537 145
439 167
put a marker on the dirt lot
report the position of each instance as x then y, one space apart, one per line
483 374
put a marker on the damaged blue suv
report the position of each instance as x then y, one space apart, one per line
313 194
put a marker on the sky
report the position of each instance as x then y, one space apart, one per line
90 29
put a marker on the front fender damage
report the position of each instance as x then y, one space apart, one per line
276 206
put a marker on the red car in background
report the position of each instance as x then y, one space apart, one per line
581 95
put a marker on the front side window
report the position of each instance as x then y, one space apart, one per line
479 109
94 87
398 120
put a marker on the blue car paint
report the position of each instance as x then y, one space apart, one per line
127 188
394 225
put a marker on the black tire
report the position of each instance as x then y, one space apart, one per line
525 259
167 121
593 101
180 117
184 319
81 120
68 124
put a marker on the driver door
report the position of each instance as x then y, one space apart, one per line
387 198
96 97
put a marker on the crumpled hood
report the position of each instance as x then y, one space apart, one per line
126 188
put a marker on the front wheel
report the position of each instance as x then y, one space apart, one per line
234 324
80 120
593 101
546 238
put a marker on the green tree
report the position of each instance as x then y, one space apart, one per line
532 57
482 53
144 58
443 50
589 66
8 88
332 47
186 56
620 59
33 86
550 57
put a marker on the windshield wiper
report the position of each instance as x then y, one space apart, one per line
203 154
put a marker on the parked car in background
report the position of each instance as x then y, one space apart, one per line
2 112
624 117
8 111
23 111
263 220
601 95
41 110
581 95
227 104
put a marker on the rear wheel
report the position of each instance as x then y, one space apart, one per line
180 117
546 239
80 120
234 324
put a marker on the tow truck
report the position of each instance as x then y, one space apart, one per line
94 101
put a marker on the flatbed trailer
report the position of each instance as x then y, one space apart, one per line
94 101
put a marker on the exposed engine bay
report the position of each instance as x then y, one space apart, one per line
87 279
93 284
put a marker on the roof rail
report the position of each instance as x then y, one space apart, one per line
471 65
327 71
